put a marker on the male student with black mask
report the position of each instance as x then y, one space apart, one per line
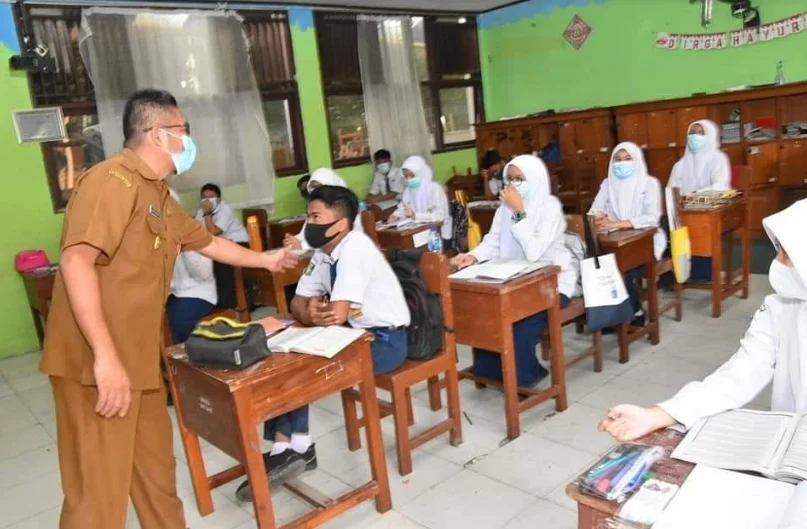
349 281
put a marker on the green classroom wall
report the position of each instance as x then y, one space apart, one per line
528 66
26 212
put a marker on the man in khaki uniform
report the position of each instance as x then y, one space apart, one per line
122 232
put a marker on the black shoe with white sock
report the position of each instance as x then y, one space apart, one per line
281 467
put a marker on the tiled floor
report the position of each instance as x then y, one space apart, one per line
486 483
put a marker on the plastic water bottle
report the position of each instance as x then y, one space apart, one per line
780 74
435 240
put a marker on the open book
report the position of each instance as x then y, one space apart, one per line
317 341
771 443
711 498
497 270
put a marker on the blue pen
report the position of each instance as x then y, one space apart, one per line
597 472
619 477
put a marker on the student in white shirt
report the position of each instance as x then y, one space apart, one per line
388 180
630 199
528 225
424 199
350 282
218 217
492 165
774 348
193 292
704 167
320 177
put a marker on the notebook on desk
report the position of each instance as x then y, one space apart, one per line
317 341
771 443
497 270
712 498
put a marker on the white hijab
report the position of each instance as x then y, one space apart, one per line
326 177
422 194
626 195
785 228
537 177
699 166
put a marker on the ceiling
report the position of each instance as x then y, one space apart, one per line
453 6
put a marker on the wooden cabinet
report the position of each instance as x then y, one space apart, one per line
736 153
662 129
593 135
793 163
566 136
633 127
660 163
763 163
761 203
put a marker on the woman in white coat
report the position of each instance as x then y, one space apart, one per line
630 199
774 348
424 199
320 177
528 225
704 167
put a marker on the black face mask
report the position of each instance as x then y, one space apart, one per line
315 234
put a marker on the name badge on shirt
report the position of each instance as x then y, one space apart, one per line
154 212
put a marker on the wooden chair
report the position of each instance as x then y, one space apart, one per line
262 217
666 265
434 271
575 312
577 186
472 184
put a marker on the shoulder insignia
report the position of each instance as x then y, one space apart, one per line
763 308
120 177
310 268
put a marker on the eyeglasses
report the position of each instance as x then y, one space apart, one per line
185 126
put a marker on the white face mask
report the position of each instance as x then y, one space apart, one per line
786 281
213 201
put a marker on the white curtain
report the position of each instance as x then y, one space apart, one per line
392 103
202 58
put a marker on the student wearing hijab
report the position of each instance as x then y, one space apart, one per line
424 199
704 167
774 349
630 199
528 225
320 177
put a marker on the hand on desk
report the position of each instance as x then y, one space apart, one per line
320 312
290 242
279 260
603 224
114 388
463 260
628 423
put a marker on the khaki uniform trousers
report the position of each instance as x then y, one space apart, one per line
103 462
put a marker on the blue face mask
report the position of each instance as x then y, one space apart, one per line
696 142
383 168
413 182
624 169
523 189
184 159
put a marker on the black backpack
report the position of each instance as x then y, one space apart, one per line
424 336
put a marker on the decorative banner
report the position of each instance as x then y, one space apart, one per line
742 37
577 32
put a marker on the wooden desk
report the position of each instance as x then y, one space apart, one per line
596 513
39 289
483 215
278 229
401 237
381 214
632 249
270 287
708 230
484 315
225 408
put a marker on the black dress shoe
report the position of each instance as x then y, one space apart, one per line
638 321
281 467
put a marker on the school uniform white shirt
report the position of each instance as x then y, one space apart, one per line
428 200
636 198
193 278
364 278
539 236
774 347
396 182
224 217
709 169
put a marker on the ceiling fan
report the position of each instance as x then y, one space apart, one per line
739 8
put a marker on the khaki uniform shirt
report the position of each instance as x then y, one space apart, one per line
123 209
